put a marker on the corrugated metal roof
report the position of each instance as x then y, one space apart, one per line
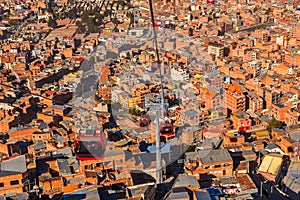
274 167
17 164
191 156
270 164
184 180
265 164
262 133
212 156
179 193
292 179
114 152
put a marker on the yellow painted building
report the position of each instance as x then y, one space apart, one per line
134 101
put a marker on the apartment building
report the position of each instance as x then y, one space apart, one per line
241 121
271 97
178 74
234 99
254 102
216 49
279 111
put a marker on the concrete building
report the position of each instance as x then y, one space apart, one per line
235 100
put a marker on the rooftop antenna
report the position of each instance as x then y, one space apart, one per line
158 146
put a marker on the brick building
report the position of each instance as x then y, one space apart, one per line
216 162
234 98
13 175
241 121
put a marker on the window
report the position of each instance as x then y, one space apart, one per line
226 165
217 166
119 161
1 184
15 182
290 149
98 164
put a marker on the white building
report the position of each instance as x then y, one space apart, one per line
178 74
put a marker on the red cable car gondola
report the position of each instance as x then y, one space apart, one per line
144 122
167 130
89 144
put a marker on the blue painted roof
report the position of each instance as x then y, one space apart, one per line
165 148
20 11
214 191
279 105
202 195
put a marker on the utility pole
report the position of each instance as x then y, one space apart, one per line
36 191
158 147
259 157
163 48
158 152
298 149
261 187
272 188
162 109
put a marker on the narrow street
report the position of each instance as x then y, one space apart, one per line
269 190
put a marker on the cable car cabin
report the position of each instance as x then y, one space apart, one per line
143 122
167 130
89 144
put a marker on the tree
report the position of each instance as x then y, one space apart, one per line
92 27
80 27
72 14
106 13
131 15
131 111
98 18
134 111
52 22
13 22
115 20
85 17
274 123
